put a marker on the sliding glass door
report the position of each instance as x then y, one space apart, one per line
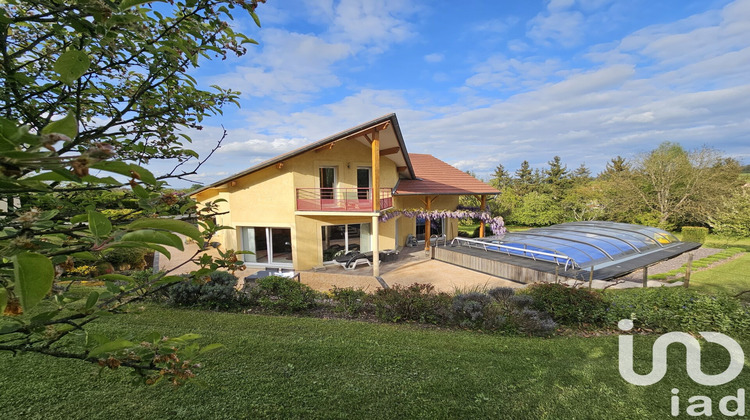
270 246
340 239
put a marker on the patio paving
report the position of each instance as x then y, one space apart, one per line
412 266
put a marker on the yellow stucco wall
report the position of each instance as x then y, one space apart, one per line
267 198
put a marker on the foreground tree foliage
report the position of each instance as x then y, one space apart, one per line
91 91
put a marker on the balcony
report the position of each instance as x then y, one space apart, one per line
341 199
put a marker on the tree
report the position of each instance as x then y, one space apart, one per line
732 218
500 178
92 91
537 209
581 175
615 166
524 180
670 186
556 178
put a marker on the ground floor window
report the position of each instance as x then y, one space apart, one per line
271 246
437 227
337 240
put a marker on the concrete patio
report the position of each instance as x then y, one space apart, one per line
413 265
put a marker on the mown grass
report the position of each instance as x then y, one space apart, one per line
286 367
731 277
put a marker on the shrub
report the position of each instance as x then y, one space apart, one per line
520 302
694 234
417 302
501 293
568 305
678 309
130 257
282 294
349 300
533 322
81 271
470 309
217 293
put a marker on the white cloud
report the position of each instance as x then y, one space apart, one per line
367 24
270 148
501 72
497 26
434 58
290 68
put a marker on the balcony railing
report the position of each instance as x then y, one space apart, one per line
341 199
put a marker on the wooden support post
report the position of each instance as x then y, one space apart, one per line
427 225
645 276
376 203
376 171
688 269
591 277
557 273
482 208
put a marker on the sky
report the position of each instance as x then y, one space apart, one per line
482 83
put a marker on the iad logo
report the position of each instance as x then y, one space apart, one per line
703 406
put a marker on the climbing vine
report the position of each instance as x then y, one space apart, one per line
496 223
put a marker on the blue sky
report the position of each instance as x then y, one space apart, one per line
478 83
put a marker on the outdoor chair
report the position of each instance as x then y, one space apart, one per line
351 259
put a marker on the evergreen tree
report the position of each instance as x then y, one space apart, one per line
581 175
615 166
500 178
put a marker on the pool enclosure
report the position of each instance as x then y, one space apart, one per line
577 249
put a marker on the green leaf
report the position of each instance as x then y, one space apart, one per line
112 346
54 176
44 317
79 218
33 275
158 248
67 126
156 237
91 301
187 337
127 4
169 279
3 299
210 347
126 169
255 18
99 225
139 191
71 65
84 256
153 337
95 338
171 225
116 277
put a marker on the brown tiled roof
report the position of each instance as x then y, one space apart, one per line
438 178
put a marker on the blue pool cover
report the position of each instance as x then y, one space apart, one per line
580 245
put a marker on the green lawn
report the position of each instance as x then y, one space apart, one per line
731 277
287 367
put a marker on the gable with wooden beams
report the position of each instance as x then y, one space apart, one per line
385 130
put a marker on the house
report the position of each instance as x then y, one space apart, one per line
303 208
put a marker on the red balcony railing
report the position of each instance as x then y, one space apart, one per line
340 199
